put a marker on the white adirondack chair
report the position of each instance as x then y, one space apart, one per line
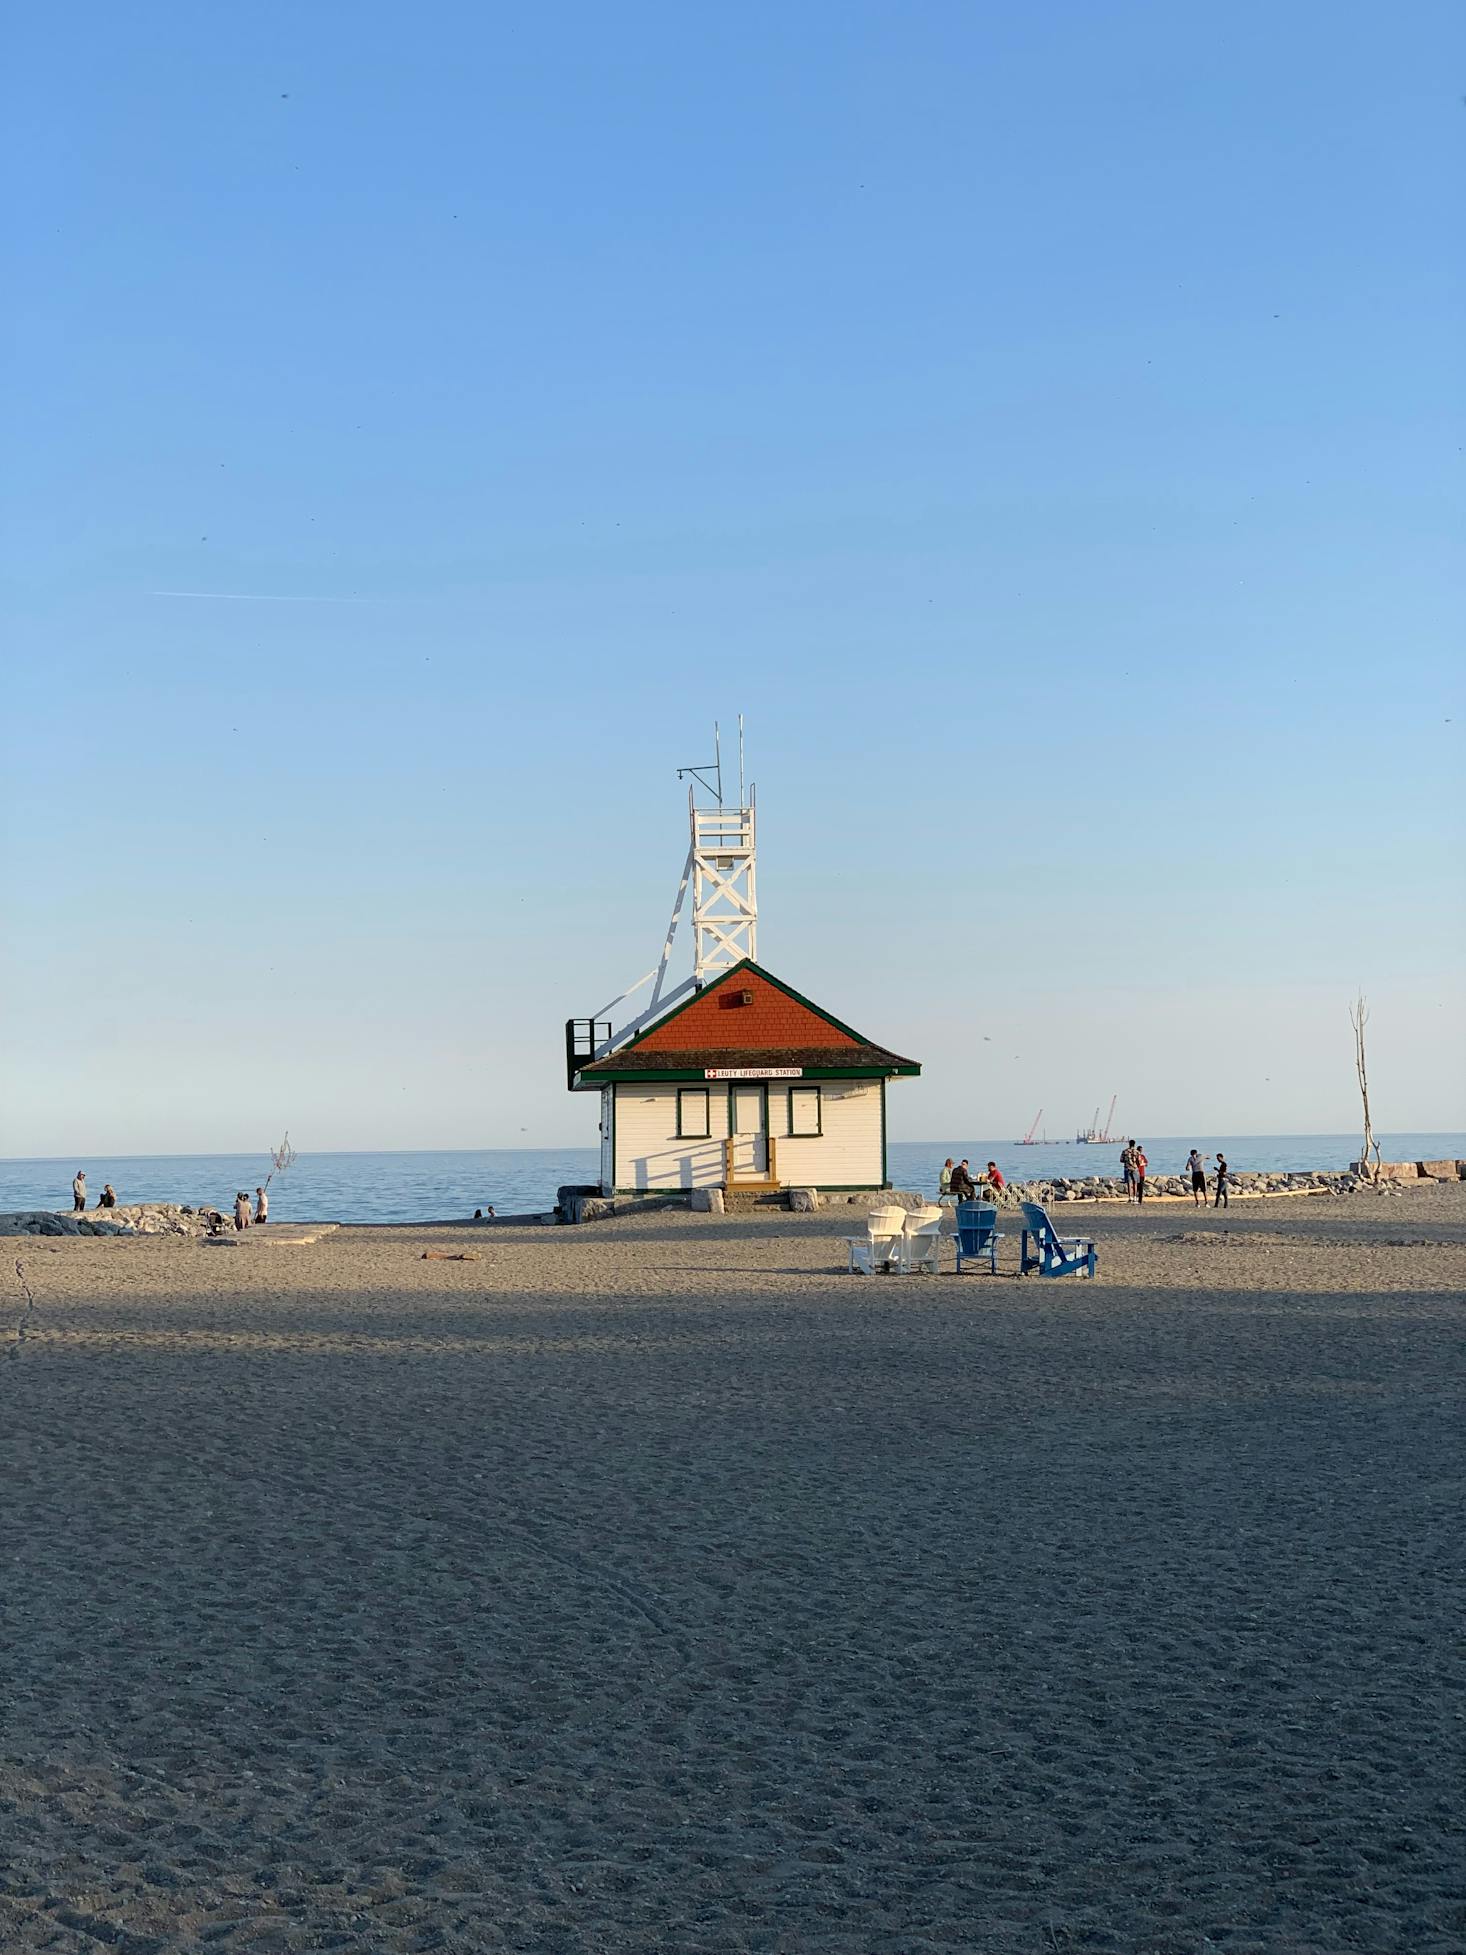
880 1247
921 1243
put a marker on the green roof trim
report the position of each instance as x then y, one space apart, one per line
906 1069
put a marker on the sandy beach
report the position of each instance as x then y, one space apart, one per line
656 1585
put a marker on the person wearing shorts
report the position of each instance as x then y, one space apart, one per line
1198 1179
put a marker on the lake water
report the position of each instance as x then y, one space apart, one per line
414 1187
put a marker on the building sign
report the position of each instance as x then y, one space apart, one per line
753 1072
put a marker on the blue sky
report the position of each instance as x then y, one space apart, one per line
1044 424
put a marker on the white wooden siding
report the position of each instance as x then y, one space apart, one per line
846 1155
648 1152
608 1164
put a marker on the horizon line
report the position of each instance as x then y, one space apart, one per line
582 1147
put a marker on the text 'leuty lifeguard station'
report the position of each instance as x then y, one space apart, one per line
732 1079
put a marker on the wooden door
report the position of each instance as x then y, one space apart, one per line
750 1128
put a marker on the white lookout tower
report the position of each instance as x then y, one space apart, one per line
721 864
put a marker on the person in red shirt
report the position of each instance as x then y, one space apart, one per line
994 1178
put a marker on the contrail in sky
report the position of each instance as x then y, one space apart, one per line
260 597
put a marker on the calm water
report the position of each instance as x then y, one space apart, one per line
423 1186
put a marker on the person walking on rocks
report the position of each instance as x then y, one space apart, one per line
262 1205
1141 1164
1224 1175
1197 1172
1127 1169
241 1210
79 1191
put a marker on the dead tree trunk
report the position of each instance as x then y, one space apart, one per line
1358 1018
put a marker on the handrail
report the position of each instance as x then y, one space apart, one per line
768 1179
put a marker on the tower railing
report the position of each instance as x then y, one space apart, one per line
724 890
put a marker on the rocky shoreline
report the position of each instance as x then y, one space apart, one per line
1393 1176
138 1218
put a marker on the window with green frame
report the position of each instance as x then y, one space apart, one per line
806 1114
692 1113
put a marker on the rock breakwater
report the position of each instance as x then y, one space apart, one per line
141 1218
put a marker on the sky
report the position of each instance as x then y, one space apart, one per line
1044 424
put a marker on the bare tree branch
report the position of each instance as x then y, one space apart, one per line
282 1159
1359 1018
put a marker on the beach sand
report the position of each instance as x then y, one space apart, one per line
656 1585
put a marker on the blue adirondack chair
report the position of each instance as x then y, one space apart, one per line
1052 1254
977 1236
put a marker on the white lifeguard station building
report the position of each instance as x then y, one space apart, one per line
733 1079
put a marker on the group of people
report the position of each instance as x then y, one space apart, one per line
1133 1167
244 1217
1196 1168
107 1198
955 1182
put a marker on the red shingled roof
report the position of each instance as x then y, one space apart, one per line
749 1017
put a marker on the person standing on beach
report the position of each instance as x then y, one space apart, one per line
79 1190
1223 1173
262 1205
241 1210
1127 1169
1197 1172
1141 1164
